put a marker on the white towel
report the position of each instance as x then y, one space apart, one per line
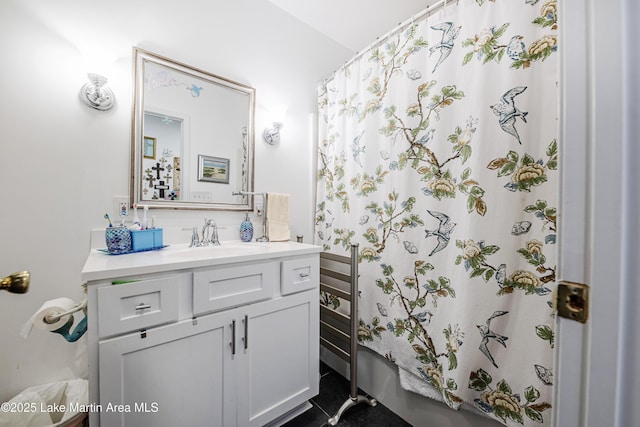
410 381
278 217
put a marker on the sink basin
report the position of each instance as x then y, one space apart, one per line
226 249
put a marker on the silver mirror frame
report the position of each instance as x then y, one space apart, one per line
140 56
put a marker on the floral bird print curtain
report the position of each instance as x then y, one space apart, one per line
438 155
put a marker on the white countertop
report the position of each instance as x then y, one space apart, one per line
101 265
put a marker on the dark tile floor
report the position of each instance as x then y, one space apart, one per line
334 390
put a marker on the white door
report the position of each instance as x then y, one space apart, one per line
597 376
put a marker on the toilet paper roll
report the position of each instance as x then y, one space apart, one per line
51 307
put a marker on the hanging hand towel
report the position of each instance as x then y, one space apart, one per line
278 217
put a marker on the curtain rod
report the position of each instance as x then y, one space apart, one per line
381 39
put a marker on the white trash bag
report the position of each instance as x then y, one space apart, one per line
46 405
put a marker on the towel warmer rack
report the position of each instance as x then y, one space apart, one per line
338 331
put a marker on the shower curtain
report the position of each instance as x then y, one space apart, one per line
438 155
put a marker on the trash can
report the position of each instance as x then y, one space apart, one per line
59 404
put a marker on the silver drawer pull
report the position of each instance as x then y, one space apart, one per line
142 306
246 331
303 275
233 338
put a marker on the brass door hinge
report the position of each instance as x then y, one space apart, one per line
573 301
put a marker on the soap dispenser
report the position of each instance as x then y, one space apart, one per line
246 229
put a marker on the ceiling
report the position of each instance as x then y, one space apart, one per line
355 24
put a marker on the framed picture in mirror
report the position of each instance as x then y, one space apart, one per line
149 147
213 169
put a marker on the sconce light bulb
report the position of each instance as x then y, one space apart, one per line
96 94
272 135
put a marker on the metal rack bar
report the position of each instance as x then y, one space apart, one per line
339 332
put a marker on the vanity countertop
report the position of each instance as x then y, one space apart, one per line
100 265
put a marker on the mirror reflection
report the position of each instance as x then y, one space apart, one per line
193 137
161 156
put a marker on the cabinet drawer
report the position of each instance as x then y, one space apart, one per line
225 287
137 305
299 275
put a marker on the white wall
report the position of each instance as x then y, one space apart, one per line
61 163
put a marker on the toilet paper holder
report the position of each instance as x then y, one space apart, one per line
53 318
65 330
56 315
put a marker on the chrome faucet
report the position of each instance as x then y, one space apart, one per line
195 239
213 237
209 235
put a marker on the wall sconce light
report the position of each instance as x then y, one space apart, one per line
272 135
96 94
16 283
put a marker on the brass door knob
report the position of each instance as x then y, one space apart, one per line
16 283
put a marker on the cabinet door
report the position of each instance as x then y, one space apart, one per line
279 370
177 375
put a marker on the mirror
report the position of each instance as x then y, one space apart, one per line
192 137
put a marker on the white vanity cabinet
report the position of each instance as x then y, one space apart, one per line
210 342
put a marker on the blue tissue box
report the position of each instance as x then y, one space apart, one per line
143 240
